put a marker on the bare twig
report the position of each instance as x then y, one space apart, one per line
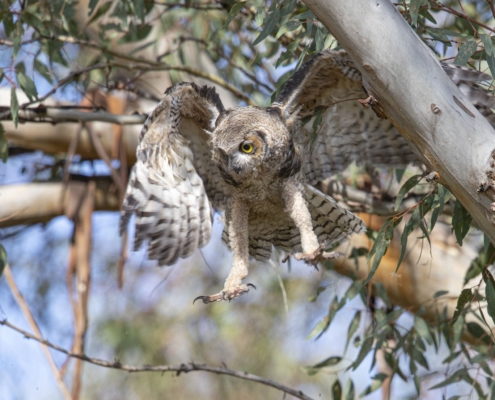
183 368
100 149
21 302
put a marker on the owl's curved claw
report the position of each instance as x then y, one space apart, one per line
318 256
226 294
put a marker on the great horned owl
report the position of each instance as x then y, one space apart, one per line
257 165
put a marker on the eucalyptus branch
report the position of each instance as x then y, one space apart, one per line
57 115
183 368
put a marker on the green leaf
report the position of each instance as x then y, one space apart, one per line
406 187
479 333
399 173
319 39
457 329
487 42
43 70
322 326
289 52
414 7
314 369
349 393
8 24
465 52
336 390
140 9
461 221
418 356
271 22
379 247
440 293
353 290
439 203
92 6
3 259
26 83
382 294
363 352
422 329
101 11
14 106
234 11
408 229
17 39
137 34
375 385
4 147
258 17
464 298
479 263
457 376
490 293
288 27
353 327
490 59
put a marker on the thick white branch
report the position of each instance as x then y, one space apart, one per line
445 130
63 114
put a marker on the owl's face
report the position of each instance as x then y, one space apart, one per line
246 140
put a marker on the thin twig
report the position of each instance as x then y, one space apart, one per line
100 150
21 302
183 368
282 287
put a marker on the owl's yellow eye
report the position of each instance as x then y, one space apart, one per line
247 148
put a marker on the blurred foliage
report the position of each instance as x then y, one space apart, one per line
64 47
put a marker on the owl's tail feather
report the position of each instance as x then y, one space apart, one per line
331 222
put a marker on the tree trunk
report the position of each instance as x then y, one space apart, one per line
441 125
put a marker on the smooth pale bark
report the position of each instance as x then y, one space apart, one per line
40 202
445 130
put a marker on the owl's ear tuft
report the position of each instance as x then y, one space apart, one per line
222 116
288 114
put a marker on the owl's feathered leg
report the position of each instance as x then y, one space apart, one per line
239 243
297 208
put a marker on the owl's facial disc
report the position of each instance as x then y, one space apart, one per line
249 154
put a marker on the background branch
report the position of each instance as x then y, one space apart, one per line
183 368
21 302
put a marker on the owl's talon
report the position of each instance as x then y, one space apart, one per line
318 256
227 294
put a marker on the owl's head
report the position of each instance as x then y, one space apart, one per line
248 139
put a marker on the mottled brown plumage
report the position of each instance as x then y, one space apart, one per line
258 165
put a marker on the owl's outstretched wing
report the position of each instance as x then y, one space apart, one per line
174 175
329 83
467 79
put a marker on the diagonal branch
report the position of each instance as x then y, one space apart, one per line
34 326
436 119
183 368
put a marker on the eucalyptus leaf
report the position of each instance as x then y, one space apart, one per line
406 187
465 52
3 259
4 146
